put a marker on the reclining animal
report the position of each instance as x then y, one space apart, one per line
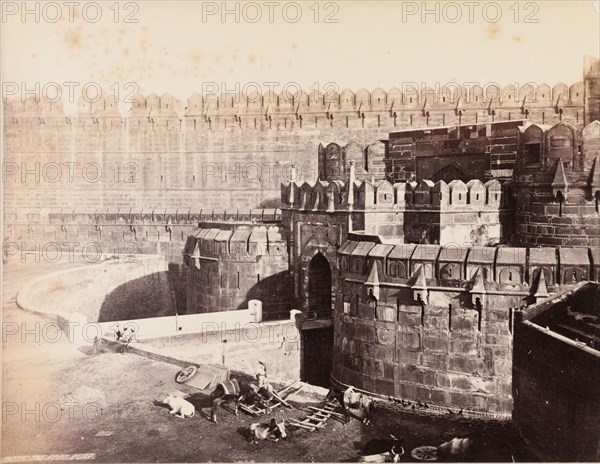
273 430
353 403
179 406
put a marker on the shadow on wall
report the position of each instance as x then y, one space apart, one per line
276 293
178 279
147 296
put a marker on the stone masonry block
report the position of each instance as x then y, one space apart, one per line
504 386
378 352
409 318
467 364
386 313
366 312
385 387
443 379
408 341
436 342
406 390
472 384
364 333
409 357
389 370
464 348
435 323
436 361
463 323
386 337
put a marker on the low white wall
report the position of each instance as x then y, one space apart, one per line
75 326
189 323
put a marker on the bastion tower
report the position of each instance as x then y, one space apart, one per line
557 186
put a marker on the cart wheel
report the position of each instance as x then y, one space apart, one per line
186 374
425 453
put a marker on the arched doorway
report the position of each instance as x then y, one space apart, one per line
317 334
319 286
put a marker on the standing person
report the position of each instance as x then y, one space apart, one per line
265 390
126 339
118 333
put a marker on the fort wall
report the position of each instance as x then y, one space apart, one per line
159 155
457 213
556 371
557 186
230 263
434 324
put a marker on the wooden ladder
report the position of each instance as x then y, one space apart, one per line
278 399
318 417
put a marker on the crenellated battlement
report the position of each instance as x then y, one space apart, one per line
557 185
435 323
475 270
450 96
336 195
147 215
227 241
473 195
541 145
333 196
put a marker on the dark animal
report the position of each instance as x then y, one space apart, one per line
274 430
353 403
239 392
383 445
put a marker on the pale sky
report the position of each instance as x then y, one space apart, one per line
172 49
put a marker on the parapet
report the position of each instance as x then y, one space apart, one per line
505 267
149 215
334 159
455 194
452 96
540 146
333 196
222 241
336 195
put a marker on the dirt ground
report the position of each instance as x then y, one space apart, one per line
37 373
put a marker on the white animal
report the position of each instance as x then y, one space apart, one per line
180 407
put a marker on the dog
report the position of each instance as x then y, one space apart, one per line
274 430
239 392
383 445
357 404
180 407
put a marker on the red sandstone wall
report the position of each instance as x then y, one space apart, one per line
443 349
439 357
230 264
155 157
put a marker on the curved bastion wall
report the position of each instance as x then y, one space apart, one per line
434 324
230 263
117 289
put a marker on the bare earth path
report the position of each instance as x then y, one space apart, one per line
40 367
